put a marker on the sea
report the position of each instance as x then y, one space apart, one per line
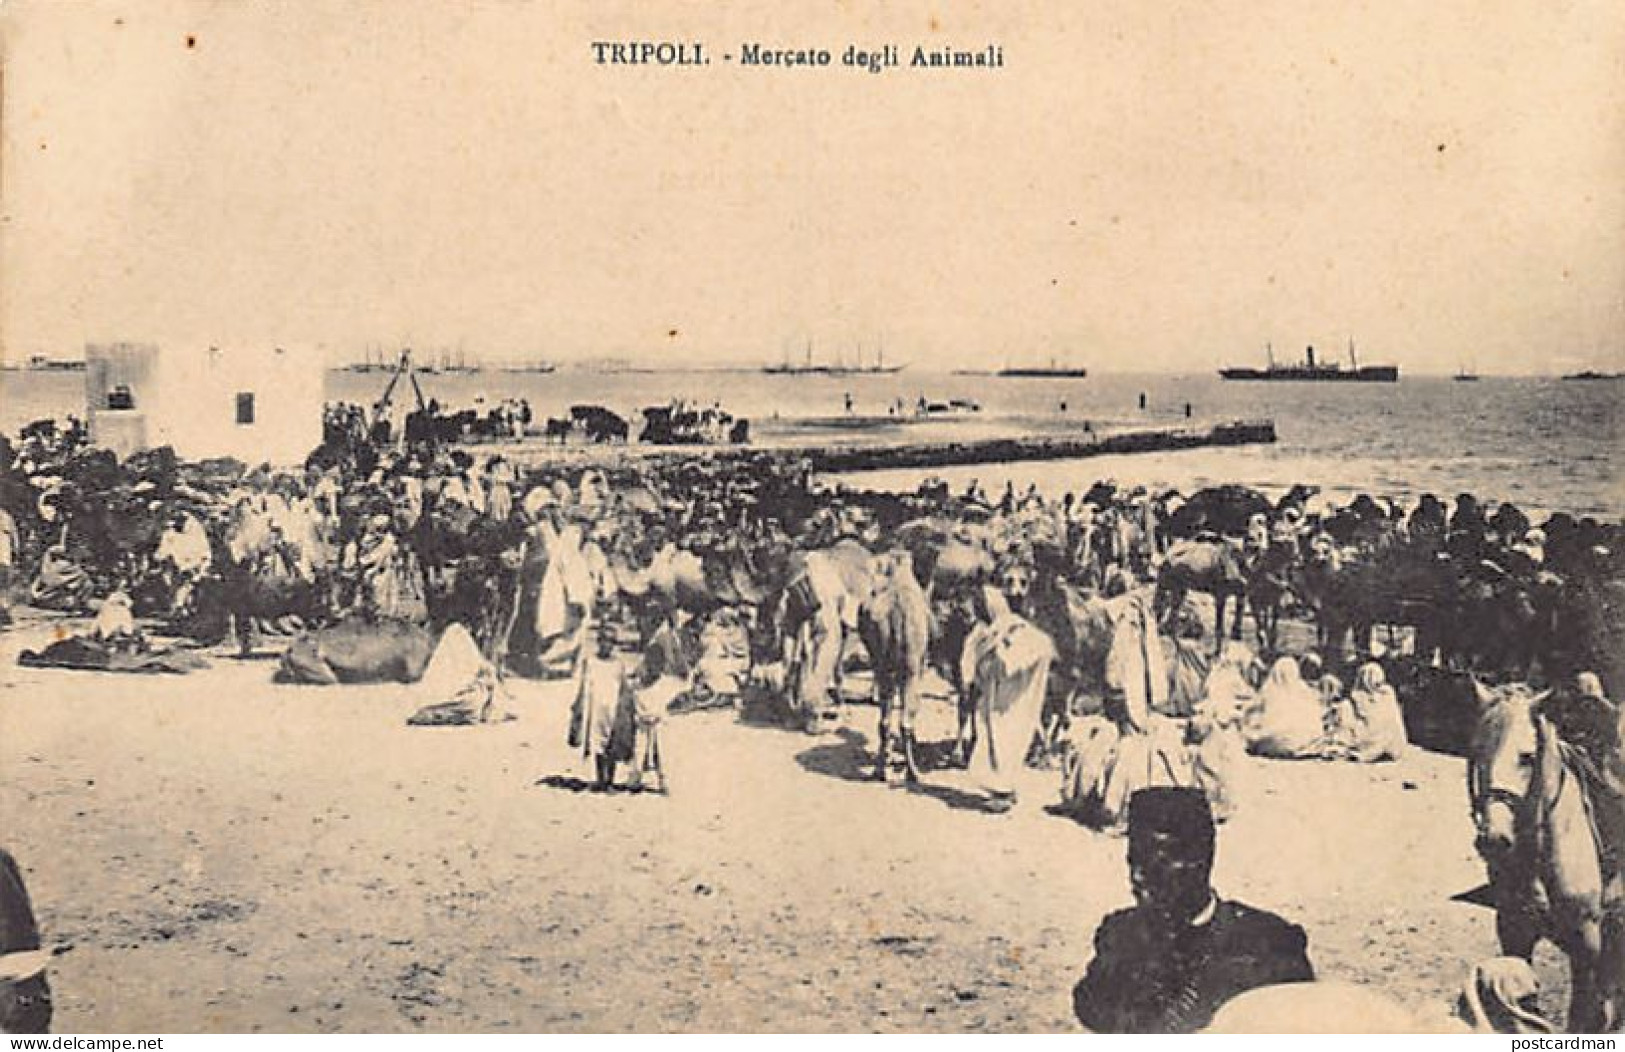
1542 443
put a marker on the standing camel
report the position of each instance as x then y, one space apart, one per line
895 626
1216 567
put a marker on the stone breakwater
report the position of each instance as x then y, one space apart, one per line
1046 447
833 458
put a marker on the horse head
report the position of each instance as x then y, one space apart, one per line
1501 769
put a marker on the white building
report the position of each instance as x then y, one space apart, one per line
258 405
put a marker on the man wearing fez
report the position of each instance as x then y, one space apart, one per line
1168 963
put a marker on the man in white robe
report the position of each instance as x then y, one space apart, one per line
185 547
1005 665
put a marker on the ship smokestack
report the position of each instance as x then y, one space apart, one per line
1311 357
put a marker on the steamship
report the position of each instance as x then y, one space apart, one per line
1311 369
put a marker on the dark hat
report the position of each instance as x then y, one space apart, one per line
1182 813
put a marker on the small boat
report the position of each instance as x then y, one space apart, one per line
1463 376
38 363
952 407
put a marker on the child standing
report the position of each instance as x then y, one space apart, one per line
650 703
602 701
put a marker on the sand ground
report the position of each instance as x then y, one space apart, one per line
227 854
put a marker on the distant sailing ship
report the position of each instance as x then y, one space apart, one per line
1465 375
538 366
810 368
450 366
1052 371
1309 369
611 366
375 361
372 362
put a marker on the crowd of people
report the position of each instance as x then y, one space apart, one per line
749 552
1061 628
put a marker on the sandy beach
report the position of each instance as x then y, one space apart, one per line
223 853
355 317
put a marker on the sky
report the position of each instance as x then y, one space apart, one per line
1144 185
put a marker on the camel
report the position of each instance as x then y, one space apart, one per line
1216 567
894 623
359 650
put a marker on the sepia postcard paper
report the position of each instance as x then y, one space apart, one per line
811 517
